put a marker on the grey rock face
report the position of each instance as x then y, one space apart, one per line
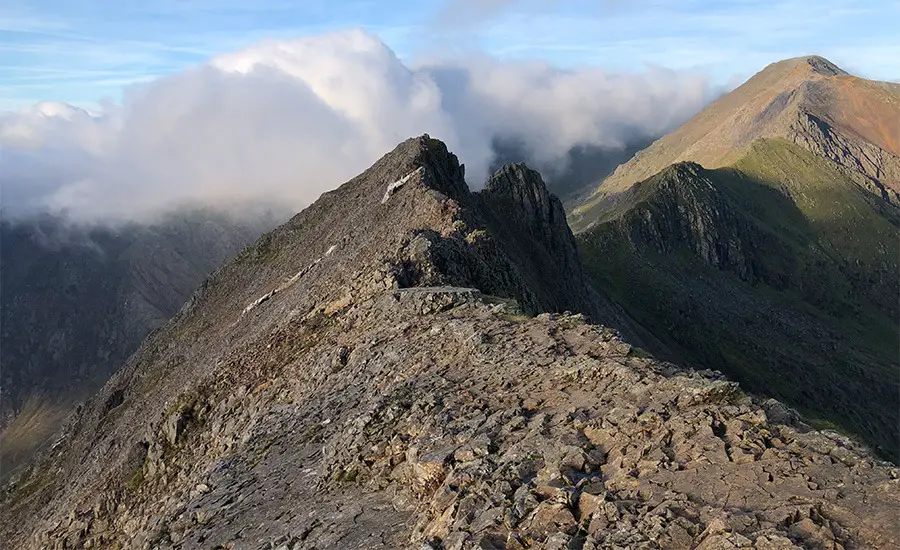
824 67
879 168
521 193
688 212
392 394
532 223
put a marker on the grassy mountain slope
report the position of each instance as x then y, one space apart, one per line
781 270
807 100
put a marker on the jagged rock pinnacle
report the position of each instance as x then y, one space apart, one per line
444 171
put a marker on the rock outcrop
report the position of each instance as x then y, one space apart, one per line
532 225
880 168
390 391
685 209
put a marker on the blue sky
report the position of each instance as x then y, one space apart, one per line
84 51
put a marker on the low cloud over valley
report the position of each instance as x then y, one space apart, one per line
284 121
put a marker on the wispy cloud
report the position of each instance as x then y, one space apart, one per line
147 37
723 38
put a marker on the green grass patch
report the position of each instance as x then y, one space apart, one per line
262 251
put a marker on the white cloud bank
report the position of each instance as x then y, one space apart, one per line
286 121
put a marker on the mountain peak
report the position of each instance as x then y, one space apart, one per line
519 197
517 177
443 169
816 64
684 168
850 121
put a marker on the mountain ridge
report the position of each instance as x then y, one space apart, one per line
808 101
773 234
371 359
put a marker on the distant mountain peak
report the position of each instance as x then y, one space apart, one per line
853 122
816 64
824 66
788 72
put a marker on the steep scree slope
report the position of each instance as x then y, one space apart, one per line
330 389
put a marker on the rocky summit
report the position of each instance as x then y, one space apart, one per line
408 364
